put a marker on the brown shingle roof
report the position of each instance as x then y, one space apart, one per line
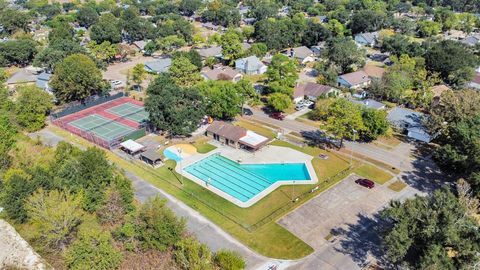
355 78
227 130
374 71
220 73
311 89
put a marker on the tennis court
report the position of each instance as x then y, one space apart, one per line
102 127
130 111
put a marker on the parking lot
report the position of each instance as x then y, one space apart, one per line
335 208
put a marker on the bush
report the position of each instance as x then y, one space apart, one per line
229 260
189 254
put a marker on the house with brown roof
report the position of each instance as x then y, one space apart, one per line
475 83
313 91
220 72
374 72
235 136
354 80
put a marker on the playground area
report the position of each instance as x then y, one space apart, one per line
108 124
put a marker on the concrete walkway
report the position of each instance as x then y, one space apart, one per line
296 114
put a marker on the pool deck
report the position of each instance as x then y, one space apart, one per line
267 154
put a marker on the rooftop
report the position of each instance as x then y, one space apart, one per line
355 78
311 89
220 73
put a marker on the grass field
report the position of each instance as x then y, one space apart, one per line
397 186
373 173
203 146
269 238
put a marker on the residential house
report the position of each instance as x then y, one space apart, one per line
475 83
471 40
158 66
317 50
313 91
25 76
303 54
370 104
140 45
374 72
250 65
215 51
321 19
211 26
42 81
410 122
220 72
354 80
235 136
367 39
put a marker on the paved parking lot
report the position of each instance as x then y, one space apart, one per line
335 208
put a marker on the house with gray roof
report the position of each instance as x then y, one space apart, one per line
410 122
303 54
354 80
250 65
367 39
471 40
369 103
42 81
215 51
158 66
313 91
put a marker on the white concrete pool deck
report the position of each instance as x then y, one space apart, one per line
268 154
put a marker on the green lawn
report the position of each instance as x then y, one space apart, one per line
254 226
373 173
203 146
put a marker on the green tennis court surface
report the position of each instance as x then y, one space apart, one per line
130 111
104 128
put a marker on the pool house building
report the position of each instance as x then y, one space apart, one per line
236 137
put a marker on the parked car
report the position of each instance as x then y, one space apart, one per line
116 82
277 115
300 106
365 183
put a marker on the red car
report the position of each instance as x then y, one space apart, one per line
365 182
277 115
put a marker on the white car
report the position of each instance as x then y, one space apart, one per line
116 82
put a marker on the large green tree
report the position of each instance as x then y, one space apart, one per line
343 52
282 74
222 99
231 46
174 109
184 73
433 232
31 107
17 52
344 120
86 16
106 29
76 78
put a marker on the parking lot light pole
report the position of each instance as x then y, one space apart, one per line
351 149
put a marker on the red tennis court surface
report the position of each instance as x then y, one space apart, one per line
107 124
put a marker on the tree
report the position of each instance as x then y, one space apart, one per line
344 120
231 46
428 28
452 60
222 99
282 74
229 260
13 20
169 43
94 250
150 48
138 73
61 31
104 51
55 216
76 78
367 20
106 29
265 9
16 189
279 101
431 232
343 52
17 52
56 52
87 16
189 254
7 138
31 107
258 49
400 44
188 7
375 122
184 73
157 226
173 109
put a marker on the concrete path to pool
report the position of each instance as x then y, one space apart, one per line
265 155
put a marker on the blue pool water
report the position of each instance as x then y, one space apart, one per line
244 181
171 155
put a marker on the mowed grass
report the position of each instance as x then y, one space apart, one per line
397 186
203 146
267 132
373 173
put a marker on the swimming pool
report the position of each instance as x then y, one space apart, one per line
169 154
244 181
